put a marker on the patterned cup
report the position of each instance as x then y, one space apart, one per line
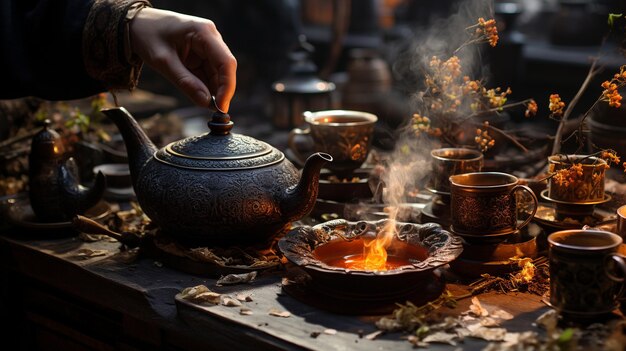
451 161
586 272
345 135
485 203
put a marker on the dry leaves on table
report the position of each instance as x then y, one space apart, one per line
89 253
477 309
200 294
232 279
278 313
92 238
229 301
245 311
244 297
427 327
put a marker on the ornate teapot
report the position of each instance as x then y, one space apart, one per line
218 187
55 192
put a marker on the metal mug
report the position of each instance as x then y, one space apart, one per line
345 135
583 267
452 161
485 203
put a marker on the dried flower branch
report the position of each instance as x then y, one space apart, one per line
610 94
485 31
449 93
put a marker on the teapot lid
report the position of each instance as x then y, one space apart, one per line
47 143
219 149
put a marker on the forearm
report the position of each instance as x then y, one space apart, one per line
106 52
63 49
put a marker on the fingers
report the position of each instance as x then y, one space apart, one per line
227 82
189 51
174 70
219 65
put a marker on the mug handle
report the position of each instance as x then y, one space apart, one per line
535 203
621 264
291 142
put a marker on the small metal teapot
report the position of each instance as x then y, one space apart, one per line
55 192
218 187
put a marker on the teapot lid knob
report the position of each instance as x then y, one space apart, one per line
220 123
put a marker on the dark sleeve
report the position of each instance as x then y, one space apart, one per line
42 48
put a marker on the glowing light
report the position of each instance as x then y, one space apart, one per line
374 257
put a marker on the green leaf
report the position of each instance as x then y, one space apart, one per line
422 331
612 18
565 338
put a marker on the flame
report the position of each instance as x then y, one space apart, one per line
527 272
374 257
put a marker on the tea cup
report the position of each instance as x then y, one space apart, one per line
485 203
452 161
345 135
583 267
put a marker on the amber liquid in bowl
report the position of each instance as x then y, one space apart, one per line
350 255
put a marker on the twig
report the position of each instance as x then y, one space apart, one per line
495 109
18 138
510 137
556 146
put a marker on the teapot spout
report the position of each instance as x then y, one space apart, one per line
138 146
76 198
300 199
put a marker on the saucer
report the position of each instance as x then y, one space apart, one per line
544 195
483 238
337 188
20 213
546 217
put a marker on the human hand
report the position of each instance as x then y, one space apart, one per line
187 50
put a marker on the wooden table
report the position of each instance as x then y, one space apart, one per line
55 299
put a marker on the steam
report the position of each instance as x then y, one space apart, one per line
410 164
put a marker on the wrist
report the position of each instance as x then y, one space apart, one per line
132 12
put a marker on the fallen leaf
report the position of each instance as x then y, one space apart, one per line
477 309
502 314
89 253
441 337
193 291
279 313
244 297
232 279
200 294
548 320
245 311
468 318
447 324
489 322
330 331
388 324
91 238
210 297
374 335
229 301
489 334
